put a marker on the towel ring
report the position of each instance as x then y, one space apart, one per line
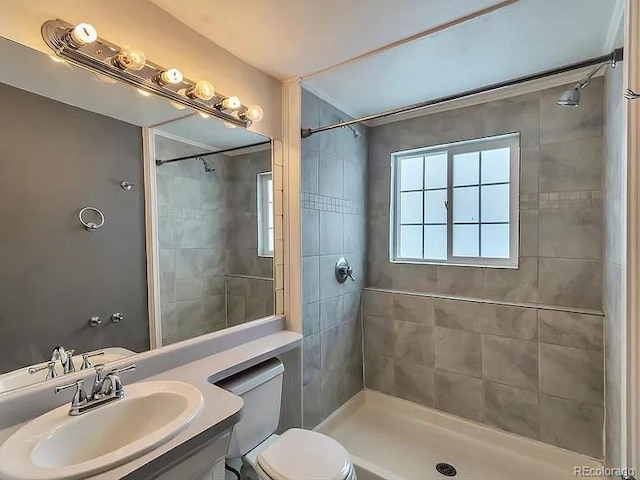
91 226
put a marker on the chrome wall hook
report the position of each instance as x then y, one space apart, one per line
631 95
127 185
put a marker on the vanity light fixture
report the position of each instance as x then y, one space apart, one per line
81 46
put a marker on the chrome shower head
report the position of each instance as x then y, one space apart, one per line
207 168
570 98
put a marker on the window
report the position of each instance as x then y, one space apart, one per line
457 203
265 215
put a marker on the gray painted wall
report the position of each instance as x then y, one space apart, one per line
614 270
334 166
537 372
54 160
207 228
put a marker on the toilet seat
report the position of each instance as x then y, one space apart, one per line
302 455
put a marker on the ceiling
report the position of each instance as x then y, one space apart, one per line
37 73
288 38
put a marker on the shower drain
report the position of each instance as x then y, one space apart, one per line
446 469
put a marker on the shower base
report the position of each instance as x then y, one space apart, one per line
392 439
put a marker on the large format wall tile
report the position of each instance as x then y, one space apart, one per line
378 335
457 314
571 166
512 409
572 425
458 351
572 373
516 322
510 361
415 383
570 233
519 284
459 394
571 329
413 343
572 283
413 308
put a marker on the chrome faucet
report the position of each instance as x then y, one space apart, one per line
65 357
105 389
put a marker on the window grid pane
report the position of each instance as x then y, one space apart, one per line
480 189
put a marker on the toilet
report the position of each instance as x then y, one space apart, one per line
296 454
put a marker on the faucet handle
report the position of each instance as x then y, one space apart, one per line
85 359
118 371
79 397
49 365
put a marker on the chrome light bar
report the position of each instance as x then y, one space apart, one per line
81 46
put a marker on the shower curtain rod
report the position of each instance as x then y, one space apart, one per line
614 56
227 150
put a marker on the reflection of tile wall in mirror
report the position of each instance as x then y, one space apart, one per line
69 139
212 276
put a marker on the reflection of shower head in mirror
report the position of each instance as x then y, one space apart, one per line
207 168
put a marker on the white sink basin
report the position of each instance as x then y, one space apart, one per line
56 446
22 378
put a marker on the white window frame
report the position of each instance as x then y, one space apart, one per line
264 229
511 141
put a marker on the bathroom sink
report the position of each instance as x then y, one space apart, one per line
56 446
22 378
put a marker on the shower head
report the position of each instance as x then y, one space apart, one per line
355 131
570 98
207 168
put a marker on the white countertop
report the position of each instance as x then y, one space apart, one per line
221 409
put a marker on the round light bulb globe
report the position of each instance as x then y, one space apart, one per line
231 103
255 113
84 33
130 59
203 90
172 75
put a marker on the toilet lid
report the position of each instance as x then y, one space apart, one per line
303 455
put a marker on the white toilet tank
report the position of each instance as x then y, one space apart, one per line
261 389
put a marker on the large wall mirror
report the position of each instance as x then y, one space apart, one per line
78 173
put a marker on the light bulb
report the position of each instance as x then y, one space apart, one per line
143 93
130 59
254 113
204 115
82 34
203 90
231 103
171 75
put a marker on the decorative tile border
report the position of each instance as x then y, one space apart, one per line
312 201
552 200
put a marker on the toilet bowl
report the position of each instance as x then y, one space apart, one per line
296 454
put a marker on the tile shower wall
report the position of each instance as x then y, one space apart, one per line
333 226
191 231
211 274
614 271
249 277
533 363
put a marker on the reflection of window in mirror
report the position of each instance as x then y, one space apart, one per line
265 215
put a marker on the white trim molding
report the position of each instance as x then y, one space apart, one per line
632 113
291 161
151 229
